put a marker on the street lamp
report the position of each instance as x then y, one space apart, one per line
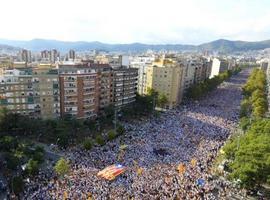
57 141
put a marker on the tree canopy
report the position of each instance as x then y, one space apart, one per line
62 167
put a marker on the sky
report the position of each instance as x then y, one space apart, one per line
128 21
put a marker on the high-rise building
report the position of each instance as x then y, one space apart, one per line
71 54
46 91
45 54
25 56
32 91
16 91
125 85
54 55
166 76
141 63
219 66
85 89
124 60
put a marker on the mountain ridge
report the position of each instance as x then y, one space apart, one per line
221 45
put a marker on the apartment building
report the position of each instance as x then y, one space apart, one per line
166 76
105 79
25 56
141 63
16 91
125 86
85 89
196 71
71 54
46 91
218 66
78 95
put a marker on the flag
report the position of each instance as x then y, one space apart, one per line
200 182
139 171
181 168
65 195
111 172
193 162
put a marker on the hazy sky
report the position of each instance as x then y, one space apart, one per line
126 21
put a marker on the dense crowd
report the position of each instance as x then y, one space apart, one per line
155 148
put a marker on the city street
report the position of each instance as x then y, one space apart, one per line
157 147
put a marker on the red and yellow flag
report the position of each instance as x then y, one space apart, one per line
111 172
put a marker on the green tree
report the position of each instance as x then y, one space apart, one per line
8 143
162 100
249 156
17 185
100 140
32 167
62 167
111 135
88 143
12 161
120 130
244 123
245 109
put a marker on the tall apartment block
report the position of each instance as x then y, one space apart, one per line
25 56
46 91
125 86
71 54
80 90
30 91
85 89
16 91
166 77
219 66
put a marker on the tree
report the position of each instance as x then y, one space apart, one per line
120 130
38 156
245 108
111 135
7 143
62 167
17 184
249 157
244 123
162 100
88 143
12 161
100 140
32 167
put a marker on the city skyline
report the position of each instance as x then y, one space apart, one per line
151 22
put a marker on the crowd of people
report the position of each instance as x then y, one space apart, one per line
190 136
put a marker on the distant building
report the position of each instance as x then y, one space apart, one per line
25 56
196 71
219 66
71 55
101 59
124 60
45 54
54 55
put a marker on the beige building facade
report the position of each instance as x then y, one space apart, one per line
166 77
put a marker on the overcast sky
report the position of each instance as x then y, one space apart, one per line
127 21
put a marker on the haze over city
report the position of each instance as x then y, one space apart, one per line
121 21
